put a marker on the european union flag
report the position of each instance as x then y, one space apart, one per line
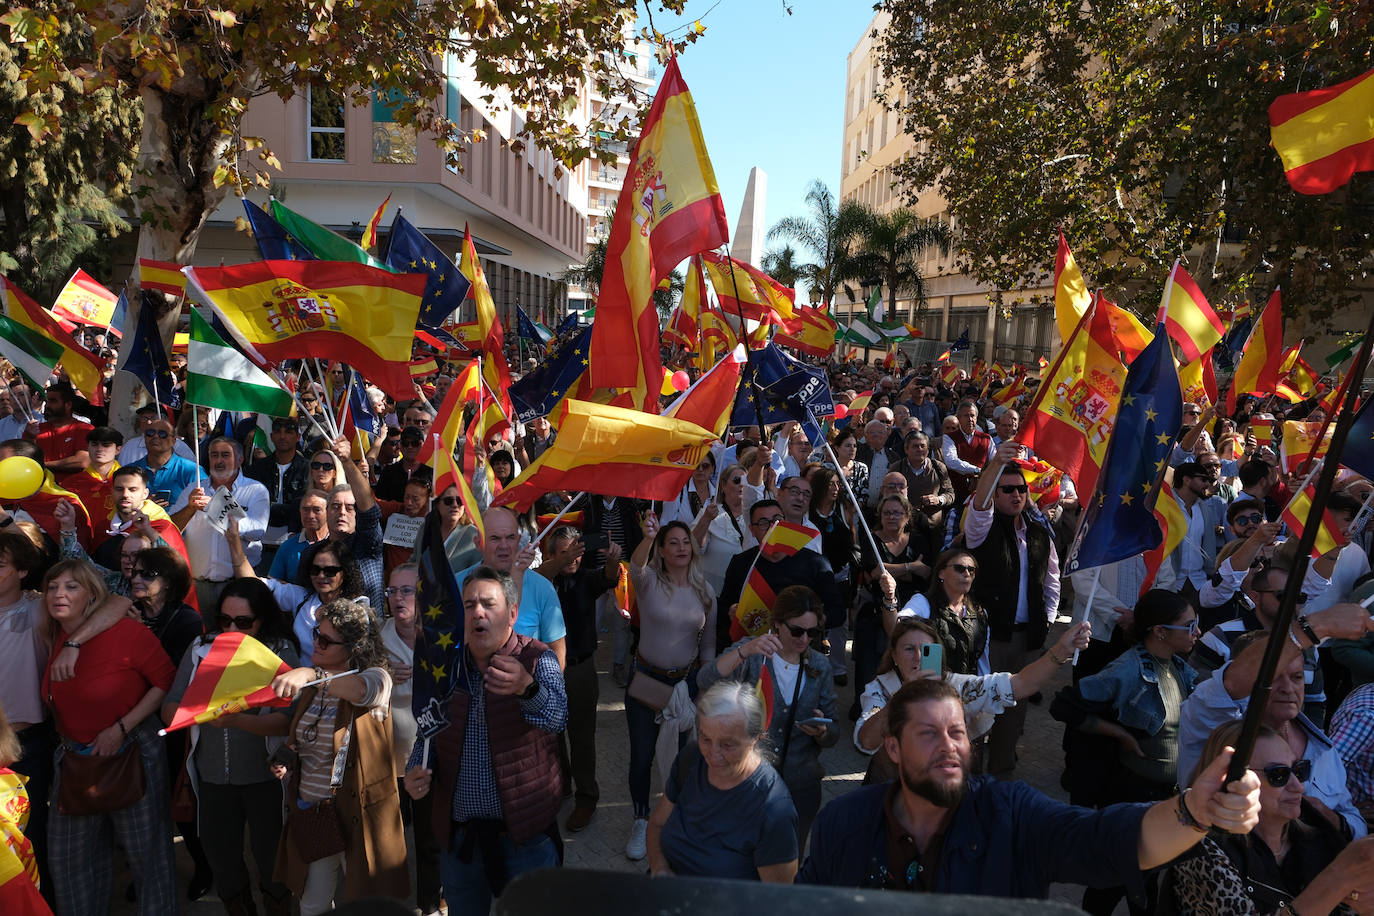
439 642
568 323
775 388
961 344
1359 442
531 330
275 243
146 359
411 252
1120 519
537 392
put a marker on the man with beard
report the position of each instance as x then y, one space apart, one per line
935 829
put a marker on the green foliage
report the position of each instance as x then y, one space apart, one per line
782 266
66 162
893 245
829 233
1140 128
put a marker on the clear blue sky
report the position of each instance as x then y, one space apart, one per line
769 89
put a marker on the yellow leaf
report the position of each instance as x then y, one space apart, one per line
225 18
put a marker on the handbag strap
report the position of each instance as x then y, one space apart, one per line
791 711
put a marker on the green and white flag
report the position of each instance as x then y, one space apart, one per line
863 334
325 244
30 352
217 375
877 308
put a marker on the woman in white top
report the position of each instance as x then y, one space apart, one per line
694 496
720 527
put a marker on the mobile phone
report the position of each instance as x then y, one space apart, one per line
933 658
163 496
595 542
816 721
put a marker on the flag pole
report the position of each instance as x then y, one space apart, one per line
1087 608
559 517
748 360
858 509
329 677
1283 619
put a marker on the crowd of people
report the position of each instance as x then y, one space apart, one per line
924 615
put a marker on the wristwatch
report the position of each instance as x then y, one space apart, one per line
1307 630
71 644
529 692
1185 817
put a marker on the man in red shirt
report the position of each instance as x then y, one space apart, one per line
61 437
966 451
94 483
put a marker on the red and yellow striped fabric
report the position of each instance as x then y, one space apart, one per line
1324 136
83 367
812 332
163 276
235 675
85 301
1192 323
755 608
491 340
711 399
1071 296
1296 515
1258 369
784 539
759 295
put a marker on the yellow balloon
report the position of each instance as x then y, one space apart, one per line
20 477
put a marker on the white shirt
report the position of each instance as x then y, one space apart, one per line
949 454
877 470
136 448
207 548
1191 565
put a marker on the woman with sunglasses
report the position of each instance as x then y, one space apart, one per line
719 527
230 758
1294 861
1135 702
343 812
695 496
803 694
327 572
326 470
961 623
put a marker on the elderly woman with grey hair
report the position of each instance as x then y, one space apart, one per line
725 812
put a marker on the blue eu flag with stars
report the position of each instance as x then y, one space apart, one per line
411 252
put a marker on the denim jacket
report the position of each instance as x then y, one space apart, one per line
1130 686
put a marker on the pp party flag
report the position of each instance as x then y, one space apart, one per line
775 388
369 239
1303 441
145 358
613 451
1118 518
1173 526
710 400
962 343
235 674
1258 370
669 209
29 352
491 340
1184 311
1131 336
161 276
1071 296
85 301
321 242
755 607
537 393
1070 421
1298 513
274 242
18 865
1324 136
439 638
812 332
411 251
83 367
744 290
280 310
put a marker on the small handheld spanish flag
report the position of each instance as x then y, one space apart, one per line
236 674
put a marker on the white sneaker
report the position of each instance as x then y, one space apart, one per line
638 846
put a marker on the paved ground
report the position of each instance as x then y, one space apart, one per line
602 844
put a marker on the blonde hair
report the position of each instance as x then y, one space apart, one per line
84 572
696 580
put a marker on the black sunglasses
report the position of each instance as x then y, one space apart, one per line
156 434
451 501
321 465
140 573
285 427
1013 488
325 641
241 622
812 633
965 569
331 571
1278 774
1254 519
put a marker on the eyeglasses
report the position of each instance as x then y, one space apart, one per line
1212 468
324 641
285 428
405 591
798 491
1253 519
451 501
1011 488
146 574
736 480
1278 774
765 522
1191 626
242 622
156 434
321 465
1192 412
330 571
310 403
963 568
811 633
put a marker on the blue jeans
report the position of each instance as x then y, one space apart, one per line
465 883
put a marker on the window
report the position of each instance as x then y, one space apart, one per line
326 126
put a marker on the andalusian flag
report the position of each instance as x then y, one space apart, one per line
322 243
759 295
218 375
711 399
612 451
85 301
1297 514
1258 370
84 368
1071 419
162 276
235 674
491 340
1071 296
1325 136
812 332
1184 310
669 209
280 310
31 353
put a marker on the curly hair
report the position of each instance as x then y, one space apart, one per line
358 628
353 585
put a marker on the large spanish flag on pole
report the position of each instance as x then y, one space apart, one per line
323 309
491 337
669 209
1192 323
235 674
1258 370
613 451
1074 410
84 368
812 332
1071 296
1325 136
758 293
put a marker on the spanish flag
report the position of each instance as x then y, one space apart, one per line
1044 480
340 310
1297 374
684 326
860 404
717 335
1172 524
162 276
755 607
669 209
784 539
491 339
812 332
1071 296
85 301
1258 370
763 688
743 289
1132 337
1297 513
1198 381
235 674
1191 322
1304 442
613 451
446 475
448 422
83 367
1324 136
369 239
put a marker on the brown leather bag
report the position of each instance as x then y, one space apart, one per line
98 785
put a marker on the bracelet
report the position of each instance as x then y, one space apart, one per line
1185 817
1294 638
1307 630
71 644
1056 659
122 730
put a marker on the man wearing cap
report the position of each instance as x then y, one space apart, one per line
391 484
286 475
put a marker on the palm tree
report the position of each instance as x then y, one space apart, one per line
782 266
588 274
665 299
892 246
829 233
